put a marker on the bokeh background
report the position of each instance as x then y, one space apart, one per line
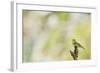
47 35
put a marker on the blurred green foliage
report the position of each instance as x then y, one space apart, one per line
59 43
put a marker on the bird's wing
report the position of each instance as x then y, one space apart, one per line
80 45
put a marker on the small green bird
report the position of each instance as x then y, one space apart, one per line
75 53
76 44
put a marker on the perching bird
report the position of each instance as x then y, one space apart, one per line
76 44
75 53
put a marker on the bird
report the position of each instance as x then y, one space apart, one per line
76 44
75 53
